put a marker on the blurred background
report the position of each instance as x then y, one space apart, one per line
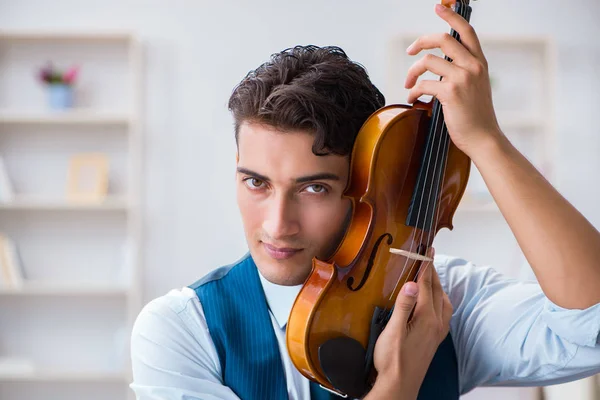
117 155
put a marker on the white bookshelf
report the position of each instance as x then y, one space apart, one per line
71 317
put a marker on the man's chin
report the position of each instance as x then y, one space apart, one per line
288 272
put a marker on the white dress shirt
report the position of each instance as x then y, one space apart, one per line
505 332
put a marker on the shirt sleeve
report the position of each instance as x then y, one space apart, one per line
173 356
508 333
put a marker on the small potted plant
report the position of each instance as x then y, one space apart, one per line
60 85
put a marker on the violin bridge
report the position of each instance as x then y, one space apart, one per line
412 256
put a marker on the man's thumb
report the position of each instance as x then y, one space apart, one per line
405 302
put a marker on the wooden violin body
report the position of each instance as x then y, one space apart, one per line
332 321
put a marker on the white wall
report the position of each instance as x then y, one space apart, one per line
196 51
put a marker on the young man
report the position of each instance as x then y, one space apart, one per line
296 120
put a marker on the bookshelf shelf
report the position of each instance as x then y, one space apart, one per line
65 289
70 117
72 36
67 377
112 203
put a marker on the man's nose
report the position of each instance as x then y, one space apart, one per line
281 218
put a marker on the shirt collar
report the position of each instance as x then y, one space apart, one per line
280 299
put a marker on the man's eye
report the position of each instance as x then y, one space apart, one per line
253 183
316 188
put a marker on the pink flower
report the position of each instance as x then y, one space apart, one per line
71 74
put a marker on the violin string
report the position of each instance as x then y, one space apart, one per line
439 199
463 11
444 147
420 207
438 142
421 200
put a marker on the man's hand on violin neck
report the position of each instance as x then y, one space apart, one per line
464 91
406 346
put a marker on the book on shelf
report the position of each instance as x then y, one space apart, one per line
6 188
11 269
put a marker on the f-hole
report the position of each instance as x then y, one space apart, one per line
350 280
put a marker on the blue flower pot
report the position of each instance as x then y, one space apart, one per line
60 97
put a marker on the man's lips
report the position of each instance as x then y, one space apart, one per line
286 249
280 253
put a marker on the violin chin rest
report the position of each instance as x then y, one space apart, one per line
343 363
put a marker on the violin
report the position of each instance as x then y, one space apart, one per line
406 180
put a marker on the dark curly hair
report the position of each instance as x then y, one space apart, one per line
317 89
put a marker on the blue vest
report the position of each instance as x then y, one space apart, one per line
238 320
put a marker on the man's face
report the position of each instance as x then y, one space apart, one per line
290 201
